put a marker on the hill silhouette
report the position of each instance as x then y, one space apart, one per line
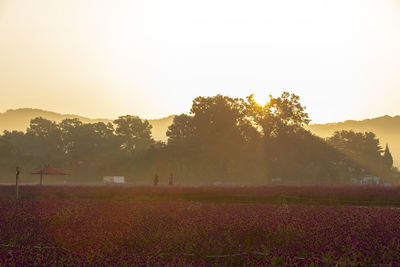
19 119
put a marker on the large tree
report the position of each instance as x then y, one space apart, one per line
134 134
87 144
278 121
43 141
180 131
362 150
277 115
209 140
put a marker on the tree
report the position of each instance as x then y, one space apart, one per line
43 141
362 150
134 134
181 150
231 139
217 122
70 128
387 159
278 120
42 128
218 116
180 130
9 155
212 135
278 114
85 144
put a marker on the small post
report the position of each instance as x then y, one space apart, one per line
155 181
41 177
16 180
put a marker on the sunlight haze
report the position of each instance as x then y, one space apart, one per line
151 58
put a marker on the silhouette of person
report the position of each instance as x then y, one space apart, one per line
156 180
171 179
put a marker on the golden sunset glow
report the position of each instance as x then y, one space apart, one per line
152 58
199 132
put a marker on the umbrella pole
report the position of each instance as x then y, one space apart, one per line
41 177
16 181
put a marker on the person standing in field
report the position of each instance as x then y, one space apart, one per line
171 179
156 180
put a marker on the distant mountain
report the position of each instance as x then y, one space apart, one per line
386 128
160 127
19 119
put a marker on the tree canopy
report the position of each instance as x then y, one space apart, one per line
221 139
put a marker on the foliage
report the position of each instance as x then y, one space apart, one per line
362 150
134 133
387 159
222 140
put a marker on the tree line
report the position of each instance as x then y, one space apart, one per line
222 139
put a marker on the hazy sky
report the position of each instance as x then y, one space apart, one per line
152 58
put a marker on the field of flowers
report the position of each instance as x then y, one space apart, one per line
98 226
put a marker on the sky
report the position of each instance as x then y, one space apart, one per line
103 59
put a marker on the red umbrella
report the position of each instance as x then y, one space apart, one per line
48 171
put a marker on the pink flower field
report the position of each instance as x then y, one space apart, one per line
57 229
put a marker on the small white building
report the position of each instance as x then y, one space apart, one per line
114 179
366 180
276 180
370 180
